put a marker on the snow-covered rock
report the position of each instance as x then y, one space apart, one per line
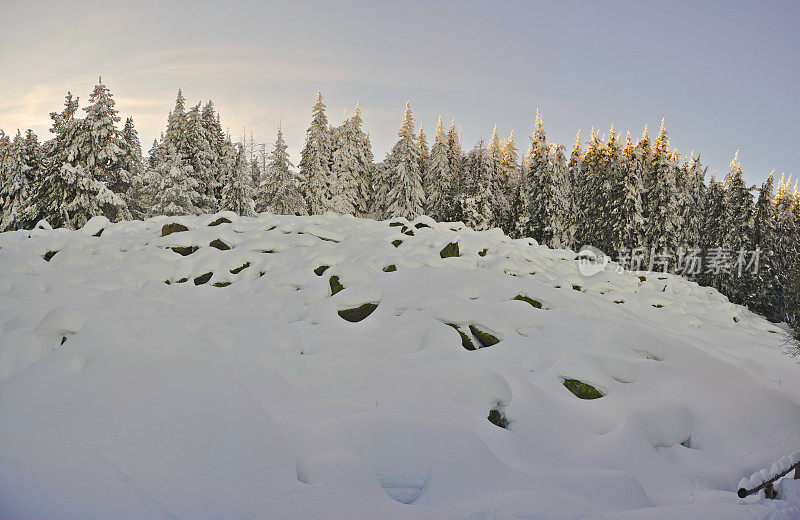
211 373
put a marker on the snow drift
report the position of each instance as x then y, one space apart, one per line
333 367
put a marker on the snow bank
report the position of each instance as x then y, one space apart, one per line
315 367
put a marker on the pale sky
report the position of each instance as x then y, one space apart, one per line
726 75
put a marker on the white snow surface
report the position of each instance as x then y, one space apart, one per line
123 396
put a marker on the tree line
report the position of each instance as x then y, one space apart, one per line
636 200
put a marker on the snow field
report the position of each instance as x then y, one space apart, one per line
211 373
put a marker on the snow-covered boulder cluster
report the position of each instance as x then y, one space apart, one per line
219 366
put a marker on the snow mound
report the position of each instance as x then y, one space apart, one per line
331 367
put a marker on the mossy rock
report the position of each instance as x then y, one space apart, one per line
396 224
449 250
390 268
319 271
221 220
483 337
659 306
336 286
396 243
498 418
240 268
581 389
576 288
358 313
219 244
99 232
182 280
619 301
203 278
185 251
465 341
409 232
168 229
421 225
483 252
63 339
49 255
531 301
221 284
642 278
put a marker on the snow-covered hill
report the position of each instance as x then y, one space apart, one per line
320 367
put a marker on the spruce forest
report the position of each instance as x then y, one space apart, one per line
636 199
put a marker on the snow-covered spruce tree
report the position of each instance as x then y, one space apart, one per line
512 181
176 126
222 150
766 295
174 188
592 203
695 192
69 194
716 238
663 216
576 183
21 167
455 155
497 180
5 146
475 202
405 197
279 192
424 156
237 194
787 250
625 221
102 151
136 196
739 286
556 200
439 181
315 160
531 209
365 199
198 152
349 173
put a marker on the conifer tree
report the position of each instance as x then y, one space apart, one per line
555 195
424 155
364 164
237 195
102 151
350 171
279 192
455 155
69 194
174 188
531 208
136 195
626 220
315 160
766 294
511 182
439 186
740 202
590 226
21 170
663 220
475 202
405 196
576 198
